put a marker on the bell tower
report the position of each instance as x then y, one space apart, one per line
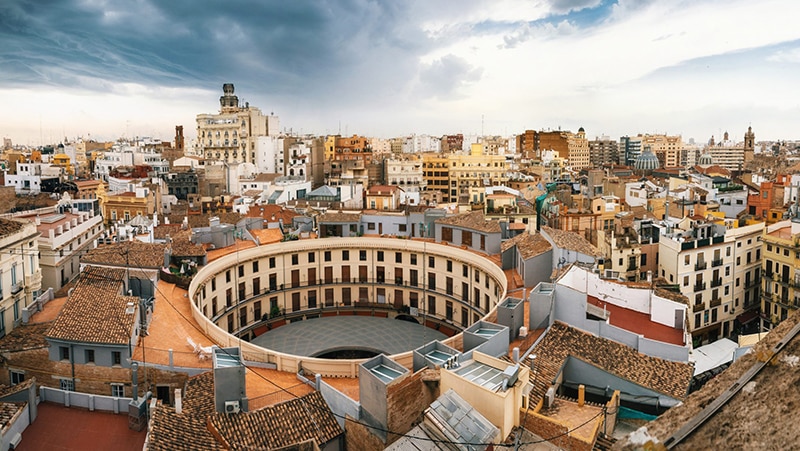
229 102
749 144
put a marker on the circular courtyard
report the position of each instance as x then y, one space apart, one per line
340 335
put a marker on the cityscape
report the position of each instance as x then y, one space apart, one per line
341 227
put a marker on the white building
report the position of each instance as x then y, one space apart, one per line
29 177
232 134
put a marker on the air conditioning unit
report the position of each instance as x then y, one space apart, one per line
232 407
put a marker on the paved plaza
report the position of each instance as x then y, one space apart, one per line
317 336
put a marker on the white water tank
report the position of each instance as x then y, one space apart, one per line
523 331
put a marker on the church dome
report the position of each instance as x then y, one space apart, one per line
705 160
647 161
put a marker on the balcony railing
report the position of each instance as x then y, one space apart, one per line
716 282
715 302
700 286
717 262
699 266
698 307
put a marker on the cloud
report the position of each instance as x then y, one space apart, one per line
785 56
443 78
566 6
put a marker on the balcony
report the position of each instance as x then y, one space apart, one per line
700 286
699 266
716 282
698 307
17 287
715 303
715 263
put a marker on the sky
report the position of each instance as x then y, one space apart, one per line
105 69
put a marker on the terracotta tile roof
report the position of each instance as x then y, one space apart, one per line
528 244
8 410
561 341
267 236
160 232
203 219
474 221
253 193
86 183
382 190
182 247
186 431
272 213
279 425
338 217
10 226
134 254
572 241
6 390
266 177
95 311
26 337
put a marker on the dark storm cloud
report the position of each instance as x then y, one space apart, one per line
291 48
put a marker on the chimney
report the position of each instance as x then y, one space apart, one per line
135 380
178 401
581 395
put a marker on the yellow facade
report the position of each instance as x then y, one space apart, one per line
780 267
436 173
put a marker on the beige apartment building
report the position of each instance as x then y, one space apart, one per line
476 170
231 135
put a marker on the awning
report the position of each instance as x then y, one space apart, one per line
747 317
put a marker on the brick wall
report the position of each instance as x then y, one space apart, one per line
89 378
406 400
358 437
547 429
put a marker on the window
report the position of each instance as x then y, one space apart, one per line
447 234
312 299
685 281
118 390
380 256
116 358
272 262
241 270
686 259
311 257
63 352
14 274
431 305
89 355
255 266
362 255
449 266
431 281
464 271
295 259
398 257
431 262
67 385
228 275
16 377
327 256
346 255
213 284
483 242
